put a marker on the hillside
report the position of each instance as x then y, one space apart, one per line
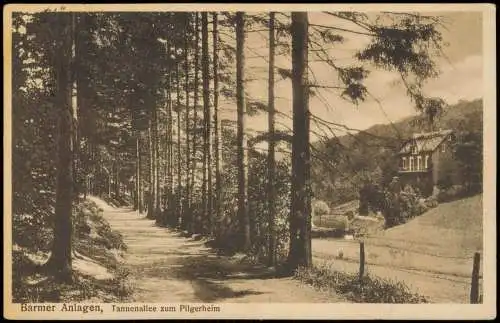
341 164
453 229
431 253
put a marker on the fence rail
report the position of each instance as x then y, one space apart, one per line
475 297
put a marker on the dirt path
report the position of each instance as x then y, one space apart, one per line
168 268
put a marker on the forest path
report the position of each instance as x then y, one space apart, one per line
165 267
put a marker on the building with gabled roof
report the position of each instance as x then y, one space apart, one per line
422 157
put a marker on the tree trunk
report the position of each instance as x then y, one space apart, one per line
137 196
116 175
241 137
170 125
271 163
60 261
150 214
76 82
207 156
167 147
178 209
156 150
187 200
217 131
300 216
194 227
168 142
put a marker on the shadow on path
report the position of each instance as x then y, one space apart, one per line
166 267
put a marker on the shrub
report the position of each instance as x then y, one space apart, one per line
339 223
421 206
403 206
367 290
320 208
431 202
350 214
452 193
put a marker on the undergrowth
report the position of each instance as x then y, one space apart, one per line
366 290
93 239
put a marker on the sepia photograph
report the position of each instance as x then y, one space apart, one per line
258 161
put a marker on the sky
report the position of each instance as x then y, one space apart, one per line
460 77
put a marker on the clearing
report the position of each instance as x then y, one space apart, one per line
432 253
165 267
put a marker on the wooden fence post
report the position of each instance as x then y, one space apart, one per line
361 259
474 288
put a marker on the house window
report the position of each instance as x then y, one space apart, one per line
411 163
426 162
443 147
419 162
414 149
404 163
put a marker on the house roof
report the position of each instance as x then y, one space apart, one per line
425 142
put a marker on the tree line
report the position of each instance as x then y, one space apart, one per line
127 105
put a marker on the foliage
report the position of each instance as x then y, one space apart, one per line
367 290
400 207
451 193
320 208
227 232
370 198
93 238
341 165
469 155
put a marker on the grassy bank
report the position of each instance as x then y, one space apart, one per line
366 290
97 272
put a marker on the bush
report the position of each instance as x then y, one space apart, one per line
320 208
350 214
403 206
92 238
431 202
421 206
339 223
452 193
367 290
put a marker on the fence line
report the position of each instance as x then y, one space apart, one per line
475 296
404 249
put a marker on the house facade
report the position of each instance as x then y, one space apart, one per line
427 159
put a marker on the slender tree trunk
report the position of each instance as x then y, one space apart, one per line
171 154
187 197
156 149
150 214
76 81
60 261
207 118
300 216
271 162
165 165
217 132
117 173
137 196
241 137
194 227
179 156
168 141
110 181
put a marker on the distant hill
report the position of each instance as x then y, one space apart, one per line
341 164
